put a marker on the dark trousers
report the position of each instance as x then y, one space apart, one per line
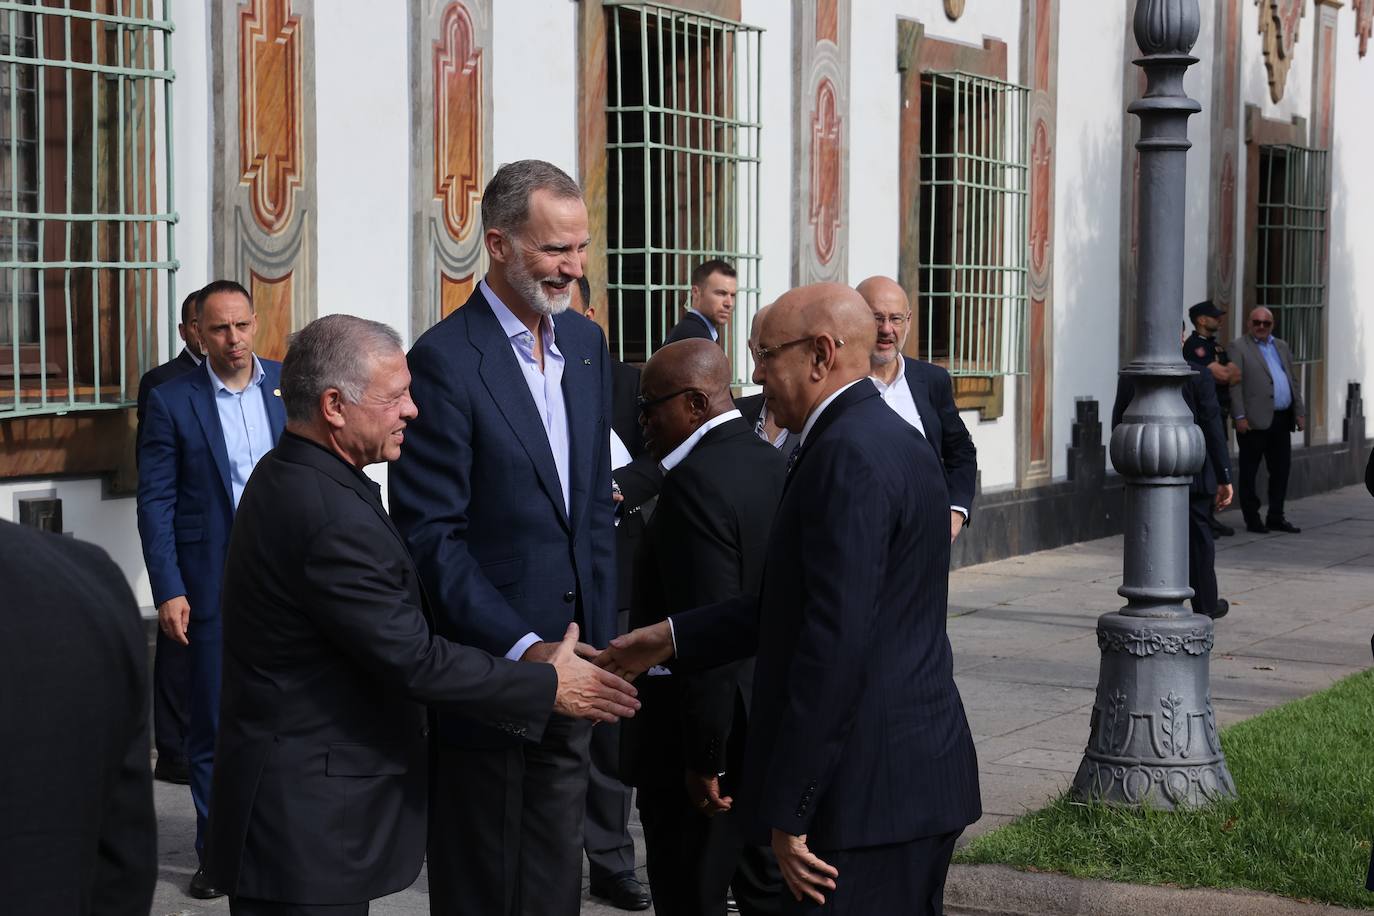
171 697
693 860
505 826
906 878
242 906
203 717
606 833
1274 447
1202 553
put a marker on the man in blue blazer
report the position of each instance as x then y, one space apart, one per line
859 762
922 395
203 433
503 494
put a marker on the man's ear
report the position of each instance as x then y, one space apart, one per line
331 407
498 245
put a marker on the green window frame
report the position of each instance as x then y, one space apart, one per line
683 126
86 223
972 303
1290 244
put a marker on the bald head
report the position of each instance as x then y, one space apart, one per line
693 363
891 312
684 385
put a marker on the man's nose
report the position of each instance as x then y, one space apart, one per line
757 377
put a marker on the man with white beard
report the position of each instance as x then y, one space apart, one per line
503 494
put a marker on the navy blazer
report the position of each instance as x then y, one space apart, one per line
155 376
857 733
933 393
689 326
477 496
185 496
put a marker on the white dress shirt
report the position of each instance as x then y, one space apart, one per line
898 396
679 454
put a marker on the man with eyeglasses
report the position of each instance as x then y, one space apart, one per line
704 543
1267 407
922 395
753 409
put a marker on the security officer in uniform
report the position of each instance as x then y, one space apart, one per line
1203 351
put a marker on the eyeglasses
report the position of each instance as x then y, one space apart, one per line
1261 323
895 320
764 354
647 404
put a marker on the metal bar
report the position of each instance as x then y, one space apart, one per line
40 79
647 216
15 277
165 25
169 196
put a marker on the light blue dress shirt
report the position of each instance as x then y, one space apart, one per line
1283 392
247 430
710 325
546 387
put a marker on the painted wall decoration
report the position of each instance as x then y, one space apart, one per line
954 8
1364 23
1278 26
450 75
263 175
820 153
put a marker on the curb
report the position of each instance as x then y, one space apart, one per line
997 890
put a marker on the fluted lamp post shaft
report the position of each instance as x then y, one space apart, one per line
1153 735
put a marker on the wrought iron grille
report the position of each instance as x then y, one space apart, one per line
971 311
86 223
1290 245
683 171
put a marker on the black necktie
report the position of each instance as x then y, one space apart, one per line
793 456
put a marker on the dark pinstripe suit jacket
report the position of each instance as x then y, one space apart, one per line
858 735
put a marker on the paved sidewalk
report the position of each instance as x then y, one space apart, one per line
1026 659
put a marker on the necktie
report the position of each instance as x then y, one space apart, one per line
793 456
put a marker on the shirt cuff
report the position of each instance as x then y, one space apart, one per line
521 647
961 510
672 633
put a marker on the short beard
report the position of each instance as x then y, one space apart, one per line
885 359
532 290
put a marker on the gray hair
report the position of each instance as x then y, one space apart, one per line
506 200
336 351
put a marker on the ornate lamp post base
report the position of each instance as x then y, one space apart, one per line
1154 735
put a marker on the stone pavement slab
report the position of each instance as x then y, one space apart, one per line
1026 664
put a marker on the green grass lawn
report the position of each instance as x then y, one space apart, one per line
1301 826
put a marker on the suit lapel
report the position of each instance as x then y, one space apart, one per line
203 403
505 382
1259 356
855 393
579 377
271 396
920 393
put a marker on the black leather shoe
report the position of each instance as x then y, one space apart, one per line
1283 525
624 892
171 770
1222 530
201 888
1222 609
1257 527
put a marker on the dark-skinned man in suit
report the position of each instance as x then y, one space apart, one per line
171 675
859 763
504 497
705 543
321 774
922 394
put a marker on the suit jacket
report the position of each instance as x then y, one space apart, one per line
321 769
169 370
750 407
639 481
78 834
477 495
1200 394
857 733
185 496
933 393
705 544
1253 396
689 326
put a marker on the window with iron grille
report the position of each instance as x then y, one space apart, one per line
1290 245
85 185
683 169
971 309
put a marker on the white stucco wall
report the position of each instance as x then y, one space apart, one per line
191 133
534 82
775 140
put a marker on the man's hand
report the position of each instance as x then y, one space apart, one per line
638 650
174 616
1224 494
1302 422
956 524
803 872
584 690
1219 372
704 794
1242 425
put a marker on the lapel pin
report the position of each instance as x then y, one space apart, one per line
586 362
276 392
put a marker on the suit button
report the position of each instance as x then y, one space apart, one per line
569 597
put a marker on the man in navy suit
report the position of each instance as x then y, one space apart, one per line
714 285
202 436
859 762
504 497
922 395
170 679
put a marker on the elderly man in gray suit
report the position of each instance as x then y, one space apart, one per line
1267 406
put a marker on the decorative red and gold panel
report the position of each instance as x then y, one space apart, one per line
270 116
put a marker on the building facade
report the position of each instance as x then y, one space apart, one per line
330 155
